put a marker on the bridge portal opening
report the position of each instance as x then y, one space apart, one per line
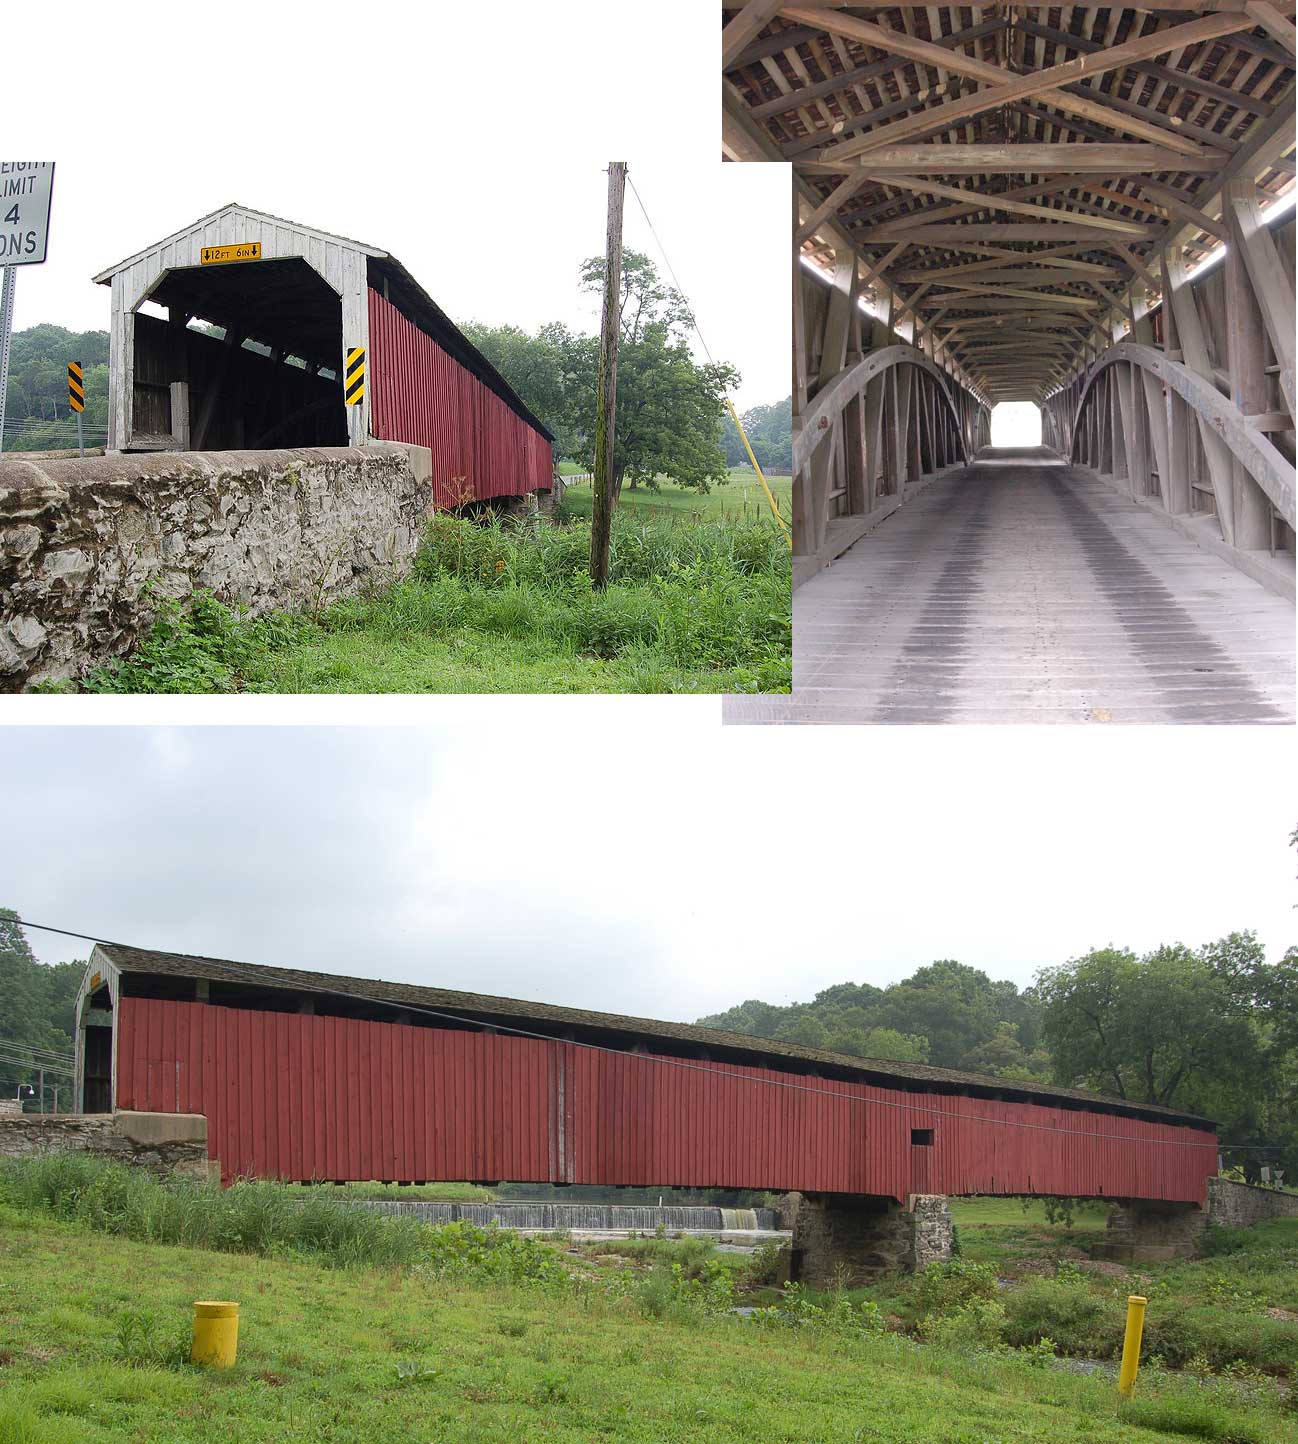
1016 423
96 1028
243 355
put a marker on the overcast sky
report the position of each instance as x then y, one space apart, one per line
664 872
469 142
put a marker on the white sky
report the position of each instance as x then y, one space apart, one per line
643 860
471 143
1016 423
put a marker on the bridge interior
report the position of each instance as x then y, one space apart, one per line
259 369
1082 208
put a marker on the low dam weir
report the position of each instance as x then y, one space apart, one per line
585 1217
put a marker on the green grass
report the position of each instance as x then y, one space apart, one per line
498 607
404 1192
1235 1312
740 498
95 1332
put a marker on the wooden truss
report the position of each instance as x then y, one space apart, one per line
1023 197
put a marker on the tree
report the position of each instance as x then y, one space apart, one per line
543 369
38 385
38 1002
669 408
1164 1028
770 433
954 1006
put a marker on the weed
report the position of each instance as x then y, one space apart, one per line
143 1340
494 605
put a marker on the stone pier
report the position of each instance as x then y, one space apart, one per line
851 1239
1146 1231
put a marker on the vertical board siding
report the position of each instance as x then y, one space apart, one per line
296 1096
420 395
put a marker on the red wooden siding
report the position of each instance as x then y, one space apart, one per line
294 1096
480 446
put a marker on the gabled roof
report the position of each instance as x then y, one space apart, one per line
104 277
556 1021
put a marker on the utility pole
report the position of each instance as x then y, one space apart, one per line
603 499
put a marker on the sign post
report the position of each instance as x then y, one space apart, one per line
26 188
77 400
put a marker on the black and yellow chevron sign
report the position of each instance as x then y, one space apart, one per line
354 385
76 390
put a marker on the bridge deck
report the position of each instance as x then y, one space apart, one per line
1024 590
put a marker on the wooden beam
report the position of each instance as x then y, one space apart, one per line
1267 139
1271 284
1194 350
745 27
1273 22
1179 206
1032 158
976 201
877 268
774 45
1181 79
1046 298
1004 87
806 94
843 191
1009 231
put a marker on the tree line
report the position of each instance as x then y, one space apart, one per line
37 415
38 1011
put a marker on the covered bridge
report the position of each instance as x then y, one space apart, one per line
314 1076
240 331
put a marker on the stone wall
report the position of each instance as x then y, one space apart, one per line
163 1142
80 540
1148 1230
853 1239
1240 1205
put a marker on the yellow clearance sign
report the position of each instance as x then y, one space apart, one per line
76 388
220 255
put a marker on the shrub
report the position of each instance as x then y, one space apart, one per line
978 1323
763 1265
944 1287
841 1315
667 1291
1067 1312
195 645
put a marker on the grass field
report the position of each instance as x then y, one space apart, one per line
96 1331
356 1328
740 498
690 607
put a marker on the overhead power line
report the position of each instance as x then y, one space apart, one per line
743 435
684 1063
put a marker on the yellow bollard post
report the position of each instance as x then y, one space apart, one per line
216 1334
1131 1345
